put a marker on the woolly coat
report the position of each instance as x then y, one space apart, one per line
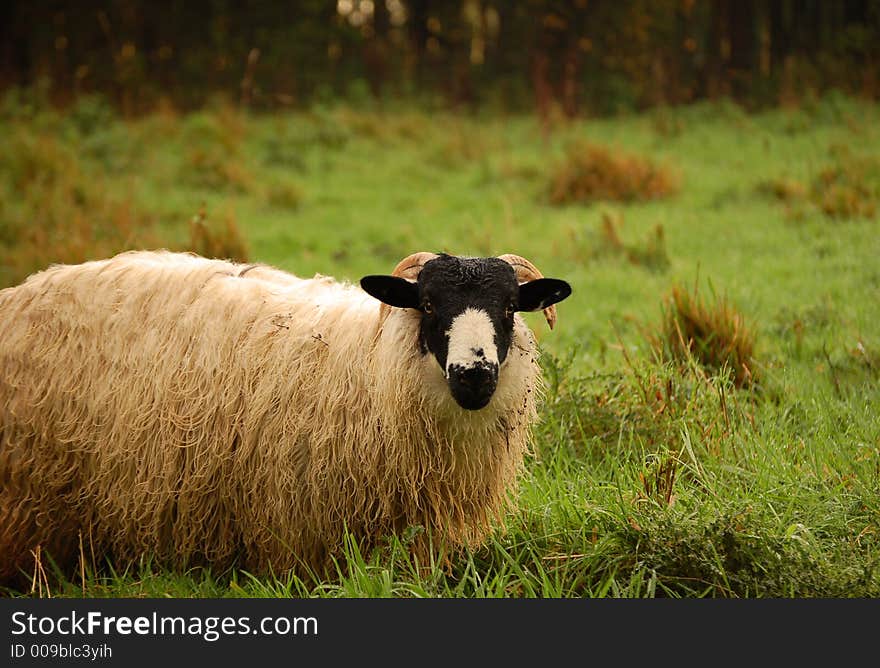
205 412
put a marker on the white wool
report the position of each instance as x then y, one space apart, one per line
203 411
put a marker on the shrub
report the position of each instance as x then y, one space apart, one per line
592 173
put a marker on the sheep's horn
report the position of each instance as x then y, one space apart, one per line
408 268
525 272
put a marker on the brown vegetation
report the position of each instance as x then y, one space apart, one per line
61 213
846 188
606 241
223 242
214 158
713 333
58 205
593 173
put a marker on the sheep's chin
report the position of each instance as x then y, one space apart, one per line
469 405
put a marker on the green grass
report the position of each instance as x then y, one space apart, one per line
647 478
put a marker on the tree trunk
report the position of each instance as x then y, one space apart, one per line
743 46
418 31
376 49
780 34
714 79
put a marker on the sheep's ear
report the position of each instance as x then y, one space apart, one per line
392 290
541 293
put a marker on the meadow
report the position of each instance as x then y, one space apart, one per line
711 419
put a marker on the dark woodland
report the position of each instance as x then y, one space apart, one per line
581 57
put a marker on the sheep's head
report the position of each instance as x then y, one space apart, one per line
467 310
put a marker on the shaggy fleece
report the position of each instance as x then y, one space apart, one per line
205 412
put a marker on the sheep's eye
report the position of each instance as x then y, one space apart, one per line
509 311
427 308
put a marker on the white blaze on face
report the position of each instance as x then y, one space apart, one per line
471 340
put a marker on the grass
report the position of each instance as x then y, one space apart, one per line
649 477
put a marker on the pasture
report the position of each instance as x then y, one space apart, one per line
711 419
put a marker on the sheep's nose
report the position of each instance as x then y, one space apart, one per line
475 377
472 386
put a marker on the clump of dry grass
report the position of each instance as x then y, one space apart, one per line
651 253
384 128
34 160
283 194
658 480
460 145
606 241
364 124
784 189
593 173
867 355
710 332
223 125
222 241
213 169
847 188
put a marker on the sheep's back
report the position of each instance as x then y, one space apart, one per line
159 400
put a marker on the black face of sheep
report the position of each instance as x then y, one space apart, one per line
467 307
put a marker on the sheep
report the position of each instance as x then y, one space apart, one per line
211 413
